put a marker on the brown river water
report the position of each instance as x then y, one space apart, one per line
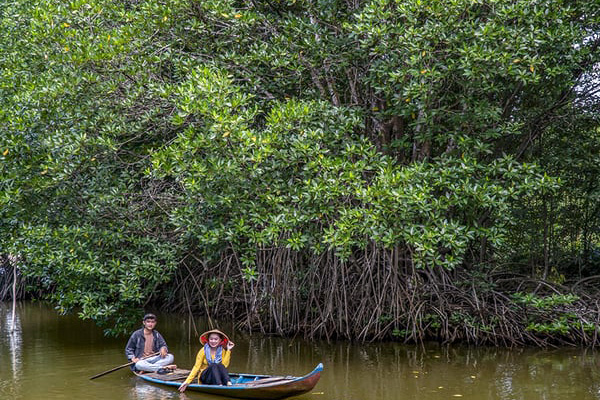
49 356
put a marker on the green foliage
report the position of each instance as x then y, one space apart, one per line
560 326
544 303
551 315
104 275
306 181
78 121
558 231
134 134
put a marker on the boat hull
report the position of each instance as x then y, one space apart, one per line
246 386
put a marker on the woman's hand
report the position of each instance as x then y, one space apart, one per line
230 345
182 387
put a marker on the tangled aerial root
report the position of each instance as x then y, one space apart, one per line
380 296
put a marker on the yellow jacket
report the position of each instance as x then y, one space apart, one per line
201 364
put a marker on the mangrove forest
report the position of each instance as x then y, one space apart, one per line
402 170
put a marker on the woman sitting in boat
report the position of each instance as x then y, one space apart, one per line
212 360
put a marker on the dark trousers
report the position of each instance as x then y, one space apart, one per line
215 374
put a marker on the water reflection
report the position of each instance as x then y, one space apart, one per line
144 391
52 357
15 345
11 339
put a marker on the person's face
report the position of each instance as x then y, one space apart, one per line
150 323
214 340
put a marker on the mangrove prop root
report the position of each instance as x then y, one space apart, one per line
379 295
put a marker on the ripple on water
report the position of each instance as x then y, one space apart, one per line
51 357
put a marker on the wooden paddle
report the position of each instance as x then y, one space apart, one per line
121 366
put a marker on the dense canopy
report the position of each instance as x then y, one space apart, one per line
402 169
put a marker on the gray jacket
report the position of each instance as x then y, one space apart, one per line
136 343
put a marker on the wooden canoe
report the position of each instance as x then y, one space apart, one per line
244 386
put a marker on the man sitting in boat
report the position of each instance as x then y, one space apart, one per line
212 360
148 349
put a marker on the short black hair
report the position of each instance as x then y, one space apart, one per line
149 316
